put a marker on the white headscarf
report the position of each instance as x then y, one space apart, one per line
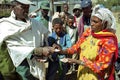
105 15
56 15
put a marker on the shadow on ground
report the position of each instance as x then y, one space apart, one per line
71 76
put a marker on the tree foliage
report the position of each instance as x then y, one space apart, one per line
5 1
109 3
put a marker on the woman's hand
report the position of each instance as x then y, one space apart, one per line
70 60
80 62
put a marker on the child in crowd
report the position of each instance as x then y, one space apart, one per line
73 32
64 18
71 29
59 37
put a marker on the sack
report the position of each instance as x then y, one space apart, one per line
37 69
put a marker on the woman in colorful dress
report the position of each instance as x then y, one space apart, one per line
98 47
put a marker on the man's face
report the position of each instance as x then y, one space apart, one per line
77 12
87 11
65 7
70 22
21 11
58 28
44 12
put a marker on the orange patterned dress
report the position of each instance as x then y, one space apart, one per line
97 53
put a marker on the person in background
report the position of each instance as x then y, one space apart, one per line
20 39
43 16
56 15
84 22
73 32
71 29
59 37
65 9
62 16
77 14
98 47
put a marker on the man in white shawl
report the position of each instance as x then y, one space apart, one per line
19 38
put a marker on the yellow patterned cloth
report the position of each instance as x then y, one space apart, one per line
89 50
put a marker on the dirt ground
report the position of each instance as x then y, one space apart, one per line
72 76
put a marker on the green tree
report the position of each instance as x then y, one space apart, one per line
109 3
5 1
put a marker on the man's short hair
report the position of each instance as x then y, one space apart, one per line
57 21
65 4
71 17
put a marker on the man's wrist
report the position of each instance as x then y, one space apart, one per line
38 51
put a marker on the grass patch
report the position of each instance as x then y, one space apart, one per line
5 12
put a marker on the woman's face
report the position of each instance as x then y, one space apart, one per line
96 24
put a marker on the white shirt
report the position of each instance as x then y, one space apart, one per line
22 38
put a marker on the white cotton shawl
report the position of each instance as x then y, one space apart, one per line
105 15
21 39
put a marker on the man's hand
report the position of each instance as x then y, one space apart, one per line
56 46
80 62
46 51
38 51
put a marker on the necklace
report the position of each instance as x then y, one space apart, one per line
91 41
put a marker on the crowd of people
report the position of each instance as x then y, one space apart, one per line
84 41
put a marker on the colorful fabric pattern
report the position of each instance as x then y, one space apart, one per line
96 53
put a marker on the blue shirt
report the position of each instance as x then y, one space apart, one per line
64 41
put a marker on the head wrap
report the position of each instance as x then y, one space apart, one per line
105 15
